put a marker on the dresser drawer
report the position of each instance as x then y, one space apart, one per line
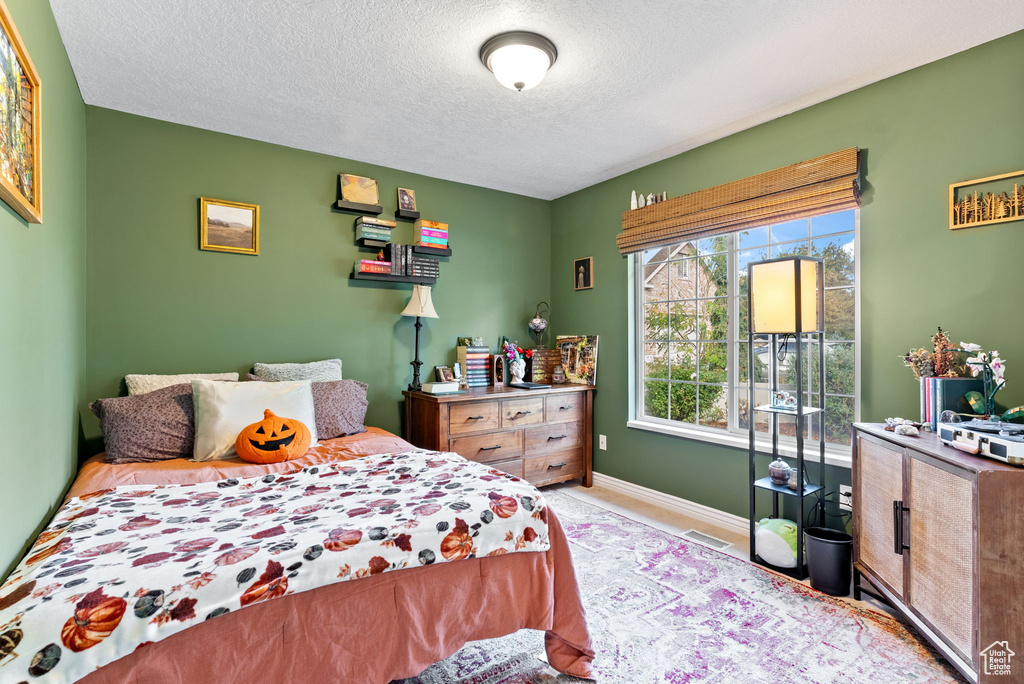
564 408
556 437
493 446
554 467
519 412
474 417
514 467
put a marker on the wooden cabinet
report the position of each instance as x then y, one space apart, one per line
544 436
937 533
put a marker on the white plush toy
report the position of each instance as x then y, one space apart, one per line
775 540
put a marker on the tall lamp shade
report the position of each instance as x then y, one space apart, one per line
420 303
786 296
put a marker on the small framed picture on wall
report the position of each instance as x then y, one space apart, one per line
583 273
229 226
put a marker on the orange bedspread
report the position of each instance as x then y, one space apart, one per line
370 631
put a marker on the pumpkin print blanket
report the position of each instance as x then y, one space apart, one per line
122 567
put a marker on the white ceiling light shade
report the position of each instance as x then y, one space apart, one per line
518 59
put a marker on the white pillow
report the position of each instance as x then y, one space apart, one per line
222 409
144 384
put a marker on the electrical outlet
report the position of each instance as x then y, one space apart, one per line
602 442
845 498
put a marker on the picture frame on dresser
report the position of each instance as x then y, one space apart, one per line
544 436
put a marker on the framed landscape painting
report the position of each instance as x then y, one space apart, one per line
20 128
229 226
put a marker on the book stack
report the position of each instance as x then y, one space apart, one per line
946 394
371 266
476 365
373 228
424 266
431 234
405 263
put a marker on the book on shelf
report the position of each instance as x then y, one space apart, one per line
440 387
376 222
947 394
430 225
426 232
382 235
436 243
366 266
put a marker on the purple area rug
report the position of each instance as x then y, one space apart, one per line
665 609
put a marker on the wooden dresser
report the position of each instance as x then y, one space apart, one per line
544 436
940 535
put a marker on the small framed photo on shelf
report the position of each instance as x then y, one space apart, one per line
463 341
583 273
498 370
406 199
444 374
226 226
359 189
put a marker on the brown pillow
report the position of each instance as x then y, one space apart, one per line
156 426
339 406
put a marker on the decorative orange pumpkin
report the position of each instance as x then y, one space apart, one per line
96 616
273 439
458 543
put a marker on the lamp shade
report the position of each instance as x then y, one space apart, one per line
420 304
778 287
518 59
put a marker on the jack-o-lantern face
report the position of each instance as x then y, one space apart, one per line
273 440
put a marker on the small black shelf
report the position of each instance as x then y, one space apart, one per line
406 214
385 278
431 251
358 207
766 483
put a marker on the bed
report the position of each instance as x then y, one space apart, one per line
373 628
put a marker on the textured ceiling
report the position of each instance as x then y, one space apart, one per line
398 82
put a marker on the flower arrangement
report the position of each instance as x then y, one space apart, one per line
992 370
944 359
517 356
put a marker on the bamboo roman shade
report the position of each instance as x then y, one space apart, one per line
817 186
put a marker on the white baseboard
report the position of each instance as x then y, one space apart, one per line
728 521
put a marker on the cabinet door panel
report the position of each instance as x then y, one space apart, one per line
879 483
942 552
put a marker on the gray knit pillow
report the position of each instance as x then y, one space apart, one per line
155 426
317 371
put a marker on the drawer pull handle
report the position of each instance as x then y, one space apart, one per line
475 418
522 413
564 408
555 466
490 448
558 437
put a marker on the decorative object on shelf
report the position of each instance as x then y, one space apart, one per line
775 540
578 358
444 374
475 361
641 202
558 375
358 193
778 471
650 199
968 210
420 306
406 204
478 341
786 303
516 365
518 59
902 426
464 341
992 370
792 482
540 366
583 273
21 171
229 226
944 359
498 370
539 323
632 200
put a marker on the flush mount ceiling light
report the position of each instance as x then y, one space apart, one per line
518 59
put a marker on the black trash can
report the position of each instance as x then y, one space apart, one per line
829 560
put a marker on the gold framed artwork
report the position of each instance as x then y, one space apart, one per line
995 199
406 199
359 189
21 130
226 226
583 273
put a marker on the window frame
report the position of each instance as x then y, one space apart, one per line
835 454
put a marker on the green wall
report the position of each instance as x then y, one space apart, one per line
159 305
42 300
952 120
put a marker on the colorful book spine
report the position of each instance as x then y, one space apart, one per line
373 221
442 234
439 243
367 266
431 225
369 230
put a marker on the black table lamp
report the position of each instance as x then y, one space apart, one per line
419 306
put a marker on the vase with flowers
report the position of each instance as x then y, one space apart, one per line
991 368
516 357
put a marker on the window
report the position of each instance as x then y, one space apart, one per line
692 340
